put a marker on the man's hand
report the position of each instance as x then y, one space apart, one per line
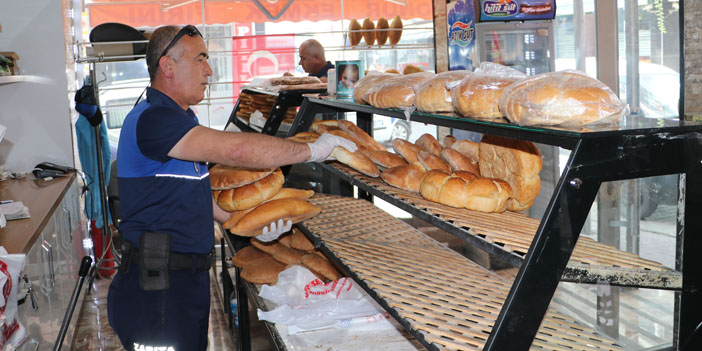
321 149
274 230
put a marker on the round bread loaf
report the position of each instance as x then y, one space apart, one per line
478 95
286 209
407 176
381 36
368 32
354 33
265 271
488 195
448 141
396 30
458 161
386 159
396 91
358 134
427 142
248 255
321 266
430 161
434 95
407 150
356 160
249 196
468 149
226 177
566 97
517 162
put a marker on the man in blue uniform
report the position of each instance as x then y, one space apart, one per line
312 59
160 298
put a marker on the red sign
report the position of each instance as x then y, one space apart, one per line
261 55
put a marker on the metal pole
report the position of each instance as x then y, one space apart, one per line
82 272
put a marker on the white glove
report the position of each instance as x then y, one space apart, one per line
322 148
232 128
273 231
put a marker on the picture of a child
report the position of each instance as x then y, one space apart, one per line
348 76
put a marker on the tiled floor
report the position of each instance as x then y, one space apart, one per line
93 332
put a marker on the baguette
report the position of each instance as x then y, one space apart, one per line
386 159
356 160
407 177
448 141
284 193
458 161
226 177
468 148
251 195
434 96
427 142
358 134
407 150
286 209
324 126
430 161
304 137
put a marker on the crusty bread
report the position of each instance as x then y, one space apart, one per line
396 91
407 177
434 96
466 175
396 32
427 142
290 80
392 70
284 193
409 69
477 95
448 141
247 256
458 161
354 33
284 239
368 32
567 97
249 196
366 83
268 247
430 161
468 148
488 195
360 135
307 86
386 159
294 210
407 150
265 271
299 241
517 162
226 177
289 255
317 264
465 190
362 147
441 187
324 126
381 36
356 160
304 137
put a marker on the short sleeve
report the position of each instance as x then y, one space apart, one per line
159 129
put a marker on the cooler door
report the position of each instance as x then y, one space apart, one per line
527 47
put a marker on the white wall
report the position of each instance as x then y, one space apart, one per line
37 116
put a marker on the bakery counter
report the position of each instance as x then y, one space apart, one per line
508 236
42 197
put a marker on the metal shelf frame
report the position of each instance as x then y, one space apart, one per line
637 147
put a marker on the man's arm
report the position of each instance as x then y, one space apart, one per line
220 215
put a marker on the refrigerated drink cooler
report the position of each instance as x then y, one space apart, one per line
525 46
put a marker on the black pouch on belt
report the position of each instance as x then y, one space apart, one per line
127 252
155 249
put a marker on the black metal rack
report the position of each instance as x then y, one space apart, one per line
637 147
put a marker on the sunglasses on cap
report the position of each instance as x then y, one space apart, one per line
189 30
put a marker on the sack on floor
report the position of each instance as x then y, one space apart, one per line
12 332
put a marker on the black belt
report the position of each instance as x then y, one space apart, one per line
179 261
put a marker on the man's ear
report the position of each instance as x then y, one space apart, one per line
166 65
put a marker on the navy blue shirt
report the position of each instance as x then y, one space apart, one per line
159 193
323 72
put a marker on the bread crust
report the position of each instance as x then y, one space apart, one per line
478 95
396 33
407 176
366 83
265 271
434 96
386 159
299 241
288 255
248 255
381 36
427 142
407 150
354 33
430 161
226 177
289 80
360 135
284 193
305 137
356 160
368 31
397 91
251 195
294 210
317 264
468 148
458 161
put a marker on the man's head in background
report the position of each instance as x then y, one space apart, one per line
312 57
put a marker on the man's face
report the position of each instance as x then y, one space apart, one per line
307 61
192 70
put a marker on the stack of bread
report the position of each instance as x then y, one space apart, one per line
263 261
434 95
495 175
478 94
249 102
290 82
256 197
396 91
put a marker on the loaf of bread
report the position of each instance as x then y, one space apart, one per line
354 33
286 209
290 80
392 70
226 177
386 159
248 255
284 239
396 30
488 195
284 193
324 126
396 91
561 98
304 137
289 255
265 271
448 141
268 247
368 32
468 148
407 150
409 69
358 134
517 162
356 160
459 162
478 95
430 161
478 194
319 265
300 86
407 177
251 195
434 94
381 36
299 241
367 82
427 142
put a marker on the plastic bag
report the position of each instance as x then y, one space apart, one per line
433 95
12 332
397 91
306 303
568 98
367 82
478 95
